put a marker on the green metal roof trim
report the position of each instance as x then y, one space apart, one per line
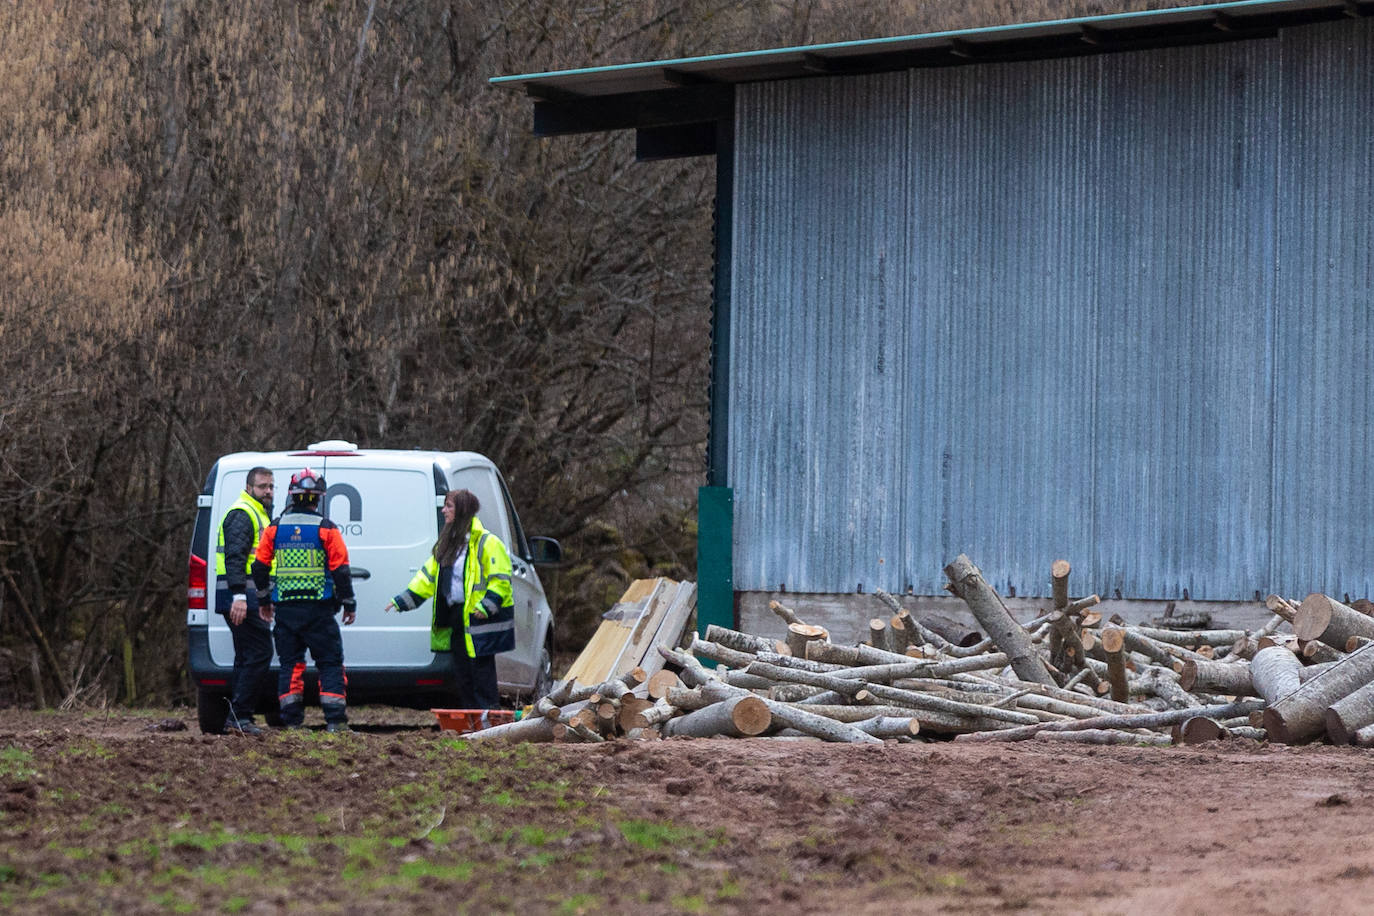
1213 22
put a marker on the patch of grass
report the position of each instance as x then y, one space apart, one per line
294 843
235 904
690 903
654 836
579 903
502 798
951 880
168 900
17 763
87 749
462 871
8 873
538 860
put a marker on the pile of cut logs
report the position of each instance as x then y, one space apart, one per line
1067 675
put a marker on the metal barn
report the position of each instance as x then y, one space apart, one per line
1098 289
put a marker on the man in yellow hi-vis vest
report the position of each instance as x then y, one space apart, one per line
239 532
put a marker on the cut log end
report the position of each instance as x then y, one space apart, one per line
1113 639
1275 727
1200 729
751 716
1188 675
1313 616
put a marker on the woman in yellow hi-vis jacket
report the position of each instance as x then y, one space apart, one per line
468 576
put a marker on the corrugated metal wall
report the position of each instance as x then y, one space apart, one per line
1113 309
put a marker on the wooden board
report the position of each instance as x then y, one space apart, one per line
605 649
652 612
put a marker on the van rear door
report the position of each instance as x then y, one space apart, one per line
388 519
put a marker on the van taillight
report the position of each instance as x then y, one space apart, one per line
195 584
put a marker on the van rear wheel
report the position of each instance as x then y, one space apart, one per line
212 709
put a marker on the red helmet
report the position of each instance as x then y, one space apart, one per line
305 484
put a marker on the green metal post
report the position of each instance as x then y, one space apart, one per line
715 557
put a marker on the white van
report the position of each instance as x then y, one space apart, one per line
387 504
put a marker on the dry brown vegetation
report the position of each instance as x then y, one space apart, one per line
246 225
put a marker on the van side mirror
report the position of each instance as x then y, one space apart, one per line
545 551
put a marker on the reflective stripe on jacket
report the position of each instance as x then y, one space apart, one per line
486 591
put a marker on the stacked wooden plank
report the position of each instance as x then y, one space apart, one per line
652 612
1067 675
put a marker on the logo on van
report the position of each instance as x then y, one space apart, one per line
349 492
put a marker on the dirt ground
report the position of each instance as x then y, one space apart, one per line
137 812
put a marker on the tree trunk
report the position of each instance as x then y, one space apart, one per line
737 717
662 682
1217 677
1349 714
877 694
718 652
1106 736
788 615
534 729
1072 652
902 636
1143 720
741 642
1161 682
799 634
1275 673
1316 652
1158 652
879 636
958 635
1200 729
1113 645
987 607
1301 716
890 726
830 653
819 726
630 713
1323 618
1282 607
1191 638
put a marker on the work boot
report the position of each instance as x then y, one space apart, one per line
242 728
335 728
292 711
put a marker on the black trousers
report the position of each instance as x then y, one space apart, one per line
476 681
310 625
252 658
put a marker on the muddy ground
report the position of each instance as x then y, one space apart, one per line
111 811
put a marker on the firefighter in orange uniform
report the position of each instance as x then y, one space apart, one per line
312 583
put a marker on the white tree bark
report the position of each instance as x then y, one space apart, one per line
967 582
1301 716
1275 672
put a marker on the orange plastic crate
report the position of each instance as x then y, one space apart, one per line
472 720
